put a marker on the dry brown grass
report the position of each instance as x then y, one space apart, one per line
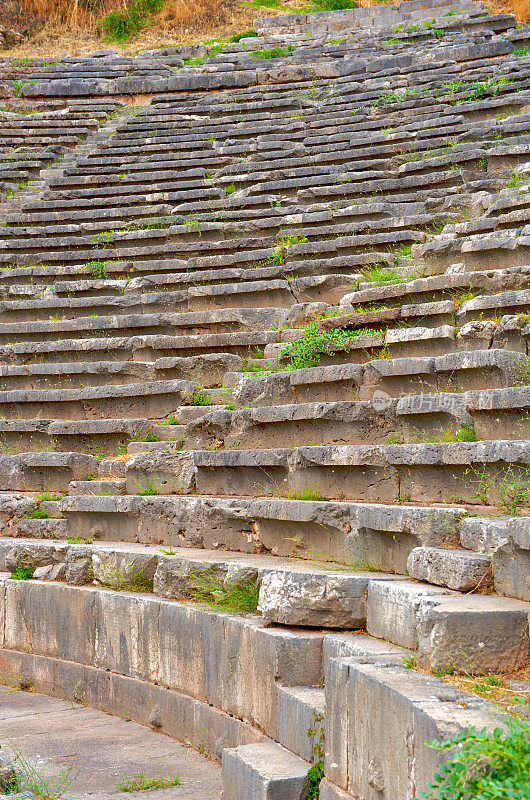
503 689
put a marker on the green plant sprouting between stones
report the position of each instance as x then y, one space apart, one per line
507 488
240 596
315 344
23 572
36 780
140 782
316 772
484 765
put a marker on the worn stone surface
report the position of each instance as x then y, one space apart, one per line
104 748
453 568
263 772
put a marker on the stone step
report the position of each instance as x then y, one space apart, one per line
157 398
169 324
485 414
362 535
472 633
394 377
43 471
207 370
148 348
453 285
103 436
261 294
302 710
456 569
466 471
263 772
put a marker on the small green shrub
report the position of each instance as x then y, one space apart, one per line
120 25
484 765
35 780
236 37
49 496
37 513
308 351
171 420
98 269
148 489
309 493
200 398
465 433
274 52
23 572
150 437
508 488
316 772
516 180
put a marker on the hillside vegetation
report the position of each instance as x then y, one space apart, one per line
74 27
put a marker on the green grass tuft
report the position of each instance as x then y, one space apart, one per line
140 782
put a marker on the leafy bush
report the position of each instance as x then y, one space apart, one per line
274 52
243 35
23 572
123 23
485 766
37 513
308 351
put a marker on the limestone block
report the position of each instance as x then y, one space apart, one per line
317 600
263 772
456 569
122 569
300 719
474 633
126 631
233 662
384 748
358 645
169 472
78 564
328 791
483 534
52 572
50 619
476 335
175 577
35 554
511 561
393 608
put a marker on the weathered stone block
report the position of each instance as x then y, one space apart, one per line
456 569
511 561
393 609
263 772
316 600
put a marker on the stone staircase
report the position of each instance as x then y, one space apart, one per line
265 315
